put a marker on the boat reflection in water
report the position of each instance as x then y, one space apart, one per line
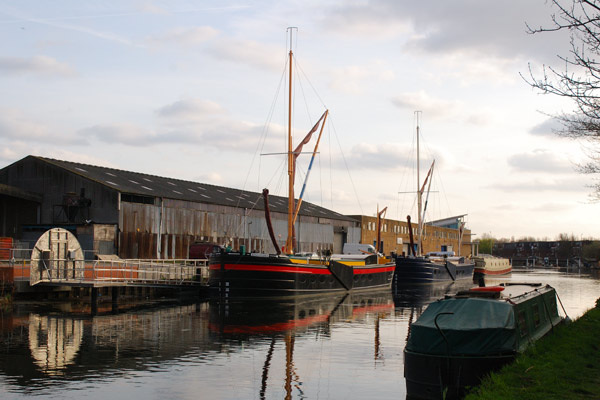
46 351
282 321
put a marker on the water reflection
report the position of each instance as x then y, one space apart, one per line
41 350
290 318
306 347
54 342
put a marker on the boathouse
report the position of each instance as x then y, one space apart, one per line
137 215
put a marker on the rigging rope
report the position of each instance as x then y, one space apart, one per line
347 168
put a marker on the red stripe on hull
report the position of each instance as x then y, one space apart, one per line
298 269
273 268
374 270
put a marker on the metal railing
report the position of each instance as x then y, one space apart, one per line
156 272
106 272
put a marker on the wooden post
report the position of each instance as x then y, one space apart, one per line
115 298
94 300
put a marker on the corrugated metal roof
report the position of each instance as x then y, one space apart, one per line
137 183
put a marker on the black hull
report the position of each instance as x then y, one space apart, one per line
422 270
428 377
236 275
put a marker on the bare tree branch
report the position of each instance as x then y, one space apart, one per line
579 79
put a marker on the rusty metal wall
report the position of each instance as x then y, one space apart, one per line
181 223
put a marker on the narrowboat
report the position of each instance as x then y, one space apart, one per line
461 338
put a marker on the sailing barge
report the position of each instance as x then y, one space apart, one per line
282 274
442 266
459 339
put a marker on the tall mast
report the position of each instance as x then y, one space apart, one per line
289 244
419 195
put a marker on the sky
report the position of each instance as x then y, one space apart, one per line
197 90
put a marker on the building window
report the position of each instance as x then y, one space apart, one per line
134 198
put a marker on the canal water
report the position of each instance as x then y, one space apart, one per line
341 347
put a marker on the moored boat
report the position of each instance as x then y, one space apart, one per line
459 339
283 273
434 266
489 265
250 275
428 268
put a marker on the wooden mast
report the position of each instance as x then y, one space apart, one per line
419 195
289 244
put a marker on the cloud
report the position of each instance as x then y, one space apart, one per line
153 9
222 47
210 177
138 136
247 52
543 185
189 36
375 156
540 161
17 127
128 134
487 28
423 102
37 65
355 79
9 154
383 156
548 128
551 207
437 108
190 121
190 109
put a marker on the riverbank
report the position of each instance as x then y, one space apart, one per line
563 365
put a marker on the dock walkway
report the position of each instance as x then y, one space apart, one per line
106 273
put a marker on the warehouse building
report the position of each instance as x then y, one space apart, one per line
137 215
440 235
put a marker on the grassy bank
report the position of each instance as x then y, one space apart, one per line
563 365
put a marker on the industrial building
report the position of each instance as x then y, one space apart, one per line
137 215
441 235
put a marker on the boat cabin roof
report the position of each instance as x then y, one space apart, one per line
511 292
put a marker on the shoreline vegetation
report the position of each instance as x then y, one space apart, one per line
563 365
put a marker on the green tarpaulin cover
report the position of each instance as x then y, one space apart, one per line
478 327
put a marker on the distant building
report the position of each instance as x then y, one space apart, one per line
559 253
136 215
442 235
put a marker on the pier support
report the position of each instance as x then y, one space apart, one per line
115 299
94 300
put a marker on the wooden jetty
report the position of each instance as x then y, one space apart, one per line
57 261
